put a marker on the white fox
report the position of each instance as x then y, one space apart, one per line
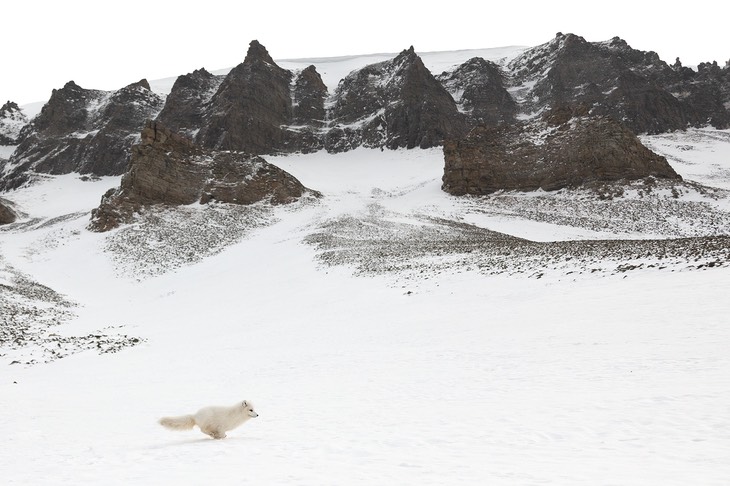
213 421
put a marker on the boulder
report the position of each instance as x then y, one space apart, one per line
567 148
169 169
7 215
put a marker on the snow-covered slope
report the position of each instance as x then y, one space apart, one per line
387 334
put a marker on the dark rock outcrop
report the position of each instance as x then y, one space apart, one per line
7 215
477 86
632 86
186 104
166 168
250 108
704 94
306 131
82 130
393 104
562 150
310 94
12 120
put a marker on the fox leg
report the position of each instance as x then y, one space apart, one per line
216 434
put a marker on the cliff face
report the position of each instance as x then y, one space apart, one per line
166 168
559 151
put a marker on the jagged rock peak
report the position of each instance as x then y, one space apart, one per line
71 85
8 108
257 52
407 57
12 121
142 83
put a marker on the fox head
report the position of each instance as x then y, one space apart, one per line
248 409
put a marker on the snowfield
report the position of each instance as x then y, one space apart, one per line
387 333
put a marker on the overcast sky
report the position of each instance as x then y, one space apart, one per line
108 44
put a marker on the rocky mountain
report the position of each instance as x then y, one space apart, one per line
82 130
261 108
634 87
478 87
12 120
565 148
168 169
392 104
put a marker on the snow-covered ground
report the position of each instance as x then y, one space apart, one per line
387 333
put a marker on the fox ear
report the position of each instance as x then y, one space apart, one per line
245 404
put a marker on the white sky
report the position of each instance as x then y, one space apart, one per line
108 44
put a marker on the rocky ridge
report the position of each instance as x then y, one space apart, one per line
634 87
82 130
261 108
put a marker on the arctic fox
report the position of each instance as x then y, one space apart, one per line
213 421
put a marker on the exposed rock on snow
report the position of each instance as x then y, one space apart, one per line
377 243
166 168
393 104
556 152
477 86
31 311
12 120
82 130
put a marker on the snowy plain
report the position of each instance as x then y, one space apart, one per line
439 373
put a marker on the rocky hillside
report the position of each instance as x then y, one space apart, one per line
82 130
560 150
168 169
